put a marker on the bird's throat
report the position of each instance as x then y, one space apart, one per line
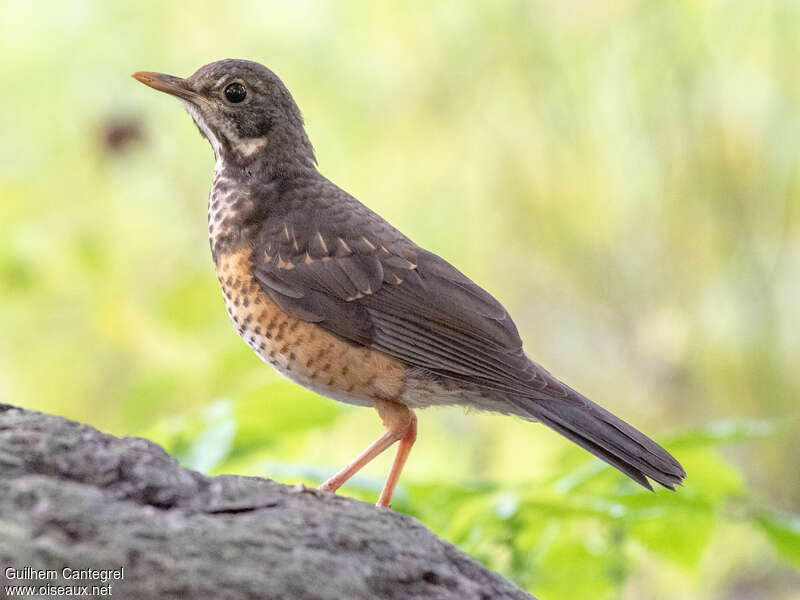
205 130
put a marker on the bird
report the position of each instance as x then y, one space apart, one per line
341 302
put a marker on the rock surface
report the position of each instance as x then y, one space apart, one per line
71 496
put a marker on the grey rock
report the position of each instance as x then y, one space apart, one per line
71 496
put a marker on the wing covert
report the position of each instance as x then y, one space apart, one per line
362 280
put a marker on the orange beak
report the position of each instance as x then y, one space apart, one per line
174 86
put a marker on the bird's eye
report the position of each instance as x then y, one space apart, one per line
235 93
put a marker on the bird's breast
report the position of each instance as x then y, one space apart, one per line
228 201
303 351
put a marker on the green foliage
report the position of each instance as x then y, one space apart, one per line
784 532
623 176
226 431
582 534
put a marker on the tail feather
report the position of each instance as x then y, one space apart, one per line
607 437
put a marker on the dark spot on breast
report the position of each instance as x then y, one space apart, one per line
294 325
291 356
345 370
257 330
246 302
326 367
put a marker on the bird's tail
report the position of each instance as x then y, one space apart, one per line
606 436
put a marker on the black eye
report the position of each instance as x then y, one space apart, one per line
235 93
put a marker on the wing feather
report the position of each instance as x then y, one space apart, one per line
365 282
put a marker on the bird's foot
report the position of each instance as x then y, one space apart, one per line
301 488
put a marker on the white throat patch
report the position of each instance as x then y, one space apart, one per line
250 146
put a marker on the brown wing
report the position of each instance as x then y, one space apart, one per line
340 265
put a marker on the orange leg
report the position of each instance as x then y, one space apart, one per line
403 450
401 424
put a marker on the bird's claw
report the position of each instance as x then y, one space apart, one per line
301 488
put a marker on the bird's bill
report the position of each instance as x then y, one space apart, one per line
162 82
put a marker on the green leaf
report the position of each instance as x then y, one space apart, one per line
278 410
211 445
783 531
677 535
579 561
208 437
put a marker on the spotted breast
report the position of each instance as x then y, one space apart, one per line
302 351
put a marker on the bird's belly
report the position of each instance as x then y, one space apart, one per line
302 351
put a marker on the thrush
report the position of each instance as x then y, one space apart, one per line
338 300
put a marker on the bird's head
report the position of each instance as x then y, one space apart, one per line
244 111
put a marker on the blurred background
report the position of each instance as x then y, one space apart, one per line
623 176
